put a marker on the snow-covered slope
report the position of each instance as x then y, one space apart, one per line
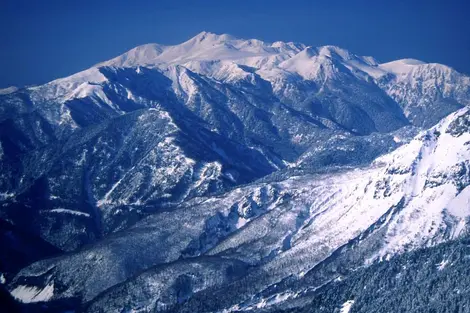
413 197
114 173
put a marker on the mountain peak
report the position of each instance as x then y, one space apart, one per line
332 51
205 36
401 66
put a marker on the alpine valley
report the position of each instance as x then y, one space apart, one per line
230 175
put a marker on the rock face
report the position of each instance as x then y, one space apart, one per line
226 163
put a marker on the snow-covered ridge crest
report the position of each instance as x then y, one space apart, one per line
205 46
279 62
272 60
294 72
442 128
210 47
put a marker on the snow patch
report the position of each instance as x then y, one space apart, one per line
6 91
442 265
346 307
67 211
6 195
31 294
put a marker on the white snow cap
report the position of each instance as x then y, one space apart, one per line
265 57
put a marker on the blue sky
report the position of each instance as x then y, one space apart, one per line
44 40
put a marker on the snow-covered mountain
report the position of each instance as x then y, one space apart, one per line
414 197
413 84
264 166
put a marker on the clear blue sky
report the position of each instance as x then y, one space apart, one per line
44 39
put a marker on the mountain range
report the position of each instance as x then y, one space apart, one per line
223 175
